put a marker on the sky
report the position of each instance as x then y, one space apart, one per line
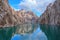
37 6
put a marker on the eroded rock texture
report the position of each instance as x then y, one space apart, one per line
9 17
52 14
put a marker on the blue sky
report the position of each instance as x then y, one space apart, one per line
37 6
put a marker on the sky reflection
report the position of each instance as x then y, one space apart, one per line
36 35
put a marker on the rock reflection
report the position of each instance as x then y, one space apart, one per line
22 32
36 35
25 28
52 31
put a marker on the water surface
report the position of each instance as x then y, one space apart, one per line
30 32
52 31
35 35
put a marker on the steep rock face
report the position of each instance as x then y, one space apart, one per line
27 16
52 14
6 15
9 17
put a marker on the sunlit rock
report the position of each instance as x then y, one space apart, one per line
52 14
10 17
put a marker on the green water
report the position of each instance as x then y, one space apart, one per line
52 31
30 32
6 33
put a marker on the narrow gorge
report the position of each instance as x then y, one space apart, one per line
51 15
10 17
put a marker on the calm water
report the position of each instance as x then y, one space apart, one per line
52 31
30 32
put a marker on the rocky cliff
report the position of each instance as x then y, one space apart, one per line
51 15
10 17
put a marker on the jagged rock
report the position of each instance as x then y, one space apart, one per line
10 17
52 14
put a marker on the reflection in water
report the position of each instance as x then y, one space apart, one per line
36 35
30 32
52 31
6 33
22 32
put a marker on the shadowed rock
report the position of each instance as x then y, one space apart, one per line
52 14
10 17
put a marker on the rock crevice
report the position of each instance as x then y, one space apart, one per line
52 14
10 17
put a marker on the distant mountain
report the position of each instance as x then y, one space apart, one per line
10 17
51 15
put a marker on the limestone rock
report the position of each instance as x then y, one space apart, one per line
51 15
10 17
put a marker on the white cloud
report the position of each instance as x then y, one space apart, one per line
28 3
35 4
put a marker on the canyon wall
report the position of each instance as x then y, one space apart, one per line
51 15
10 17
